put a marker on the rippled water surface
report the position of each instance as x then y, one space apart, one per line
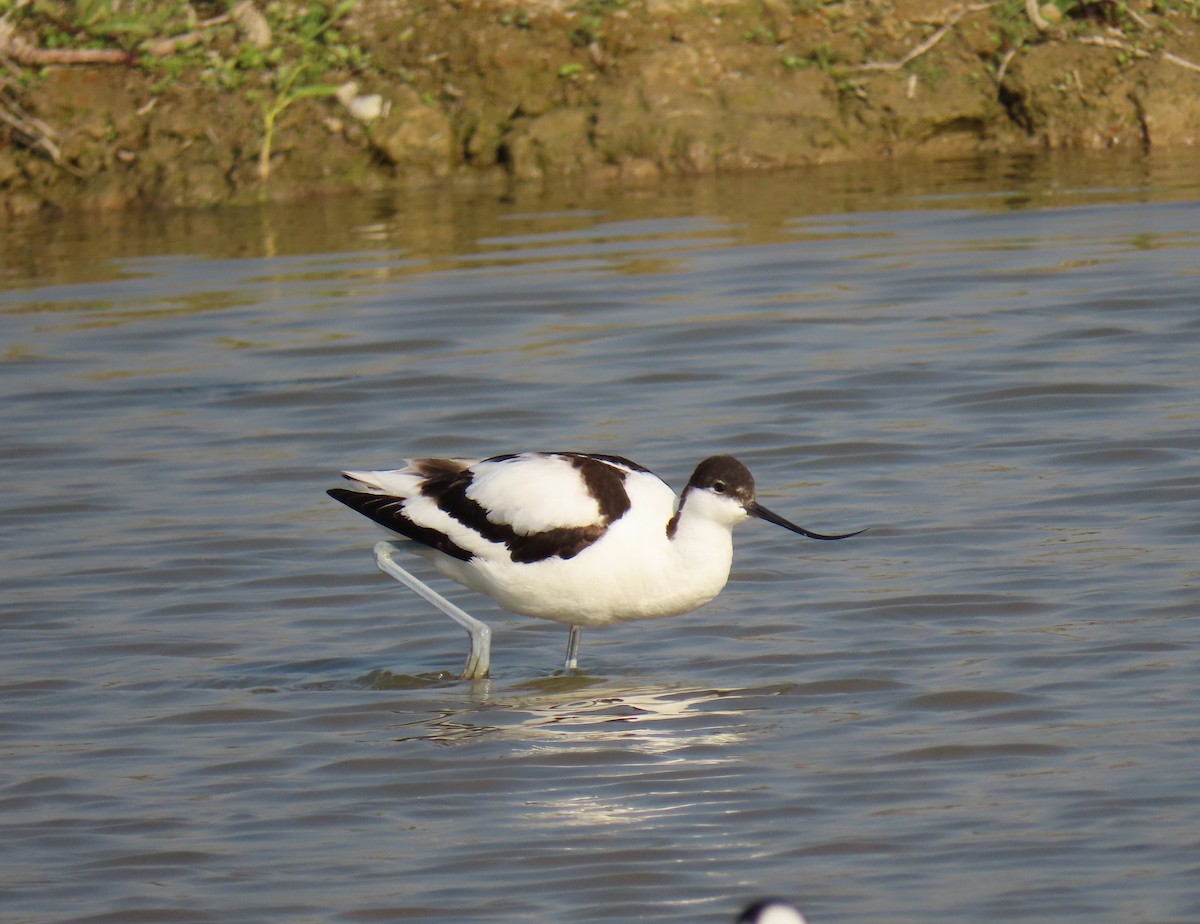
987 708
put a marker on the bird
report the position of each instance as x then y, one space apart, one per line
770 911
585 539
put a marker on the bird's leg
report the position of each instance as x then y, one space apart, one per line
573 648
480 658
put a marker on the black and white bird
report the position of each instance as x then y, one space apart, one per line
578 538
771 911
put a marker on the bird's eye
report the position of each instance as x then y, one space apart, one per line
719 487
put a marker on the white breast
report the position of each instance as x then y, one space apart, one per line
633 572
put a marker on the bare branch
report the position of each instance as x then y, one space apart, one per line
1035 15
32 56
37 136
953 15
1102 41
1180 62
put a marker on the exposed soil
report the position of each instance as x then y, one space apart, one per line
497 93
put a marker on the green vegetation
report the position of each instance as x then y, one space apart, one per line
141 28
179 101
280 55
285 93
599 7
820 56
590 15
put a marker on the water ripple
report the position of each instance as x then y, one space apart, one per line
216 709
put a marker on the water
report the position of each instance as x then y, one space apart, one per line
214 708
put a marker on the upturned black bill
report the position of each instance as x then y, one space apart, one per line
762 513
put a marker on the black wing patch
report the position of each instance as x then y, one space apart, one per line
387 512
446 482
604 482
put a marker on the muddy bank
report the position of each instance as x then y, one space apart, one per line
500 93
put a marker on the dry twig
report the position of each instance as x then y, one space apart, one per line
23 53
1004 62
36 135
1034 12
1180 62
16 49
954 14
1102 41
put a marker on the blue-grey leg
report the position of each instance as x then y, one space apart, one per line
480 658
573 648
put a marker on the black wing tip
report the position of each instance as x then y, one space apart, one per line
365 502
384 509
344 495
362 502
